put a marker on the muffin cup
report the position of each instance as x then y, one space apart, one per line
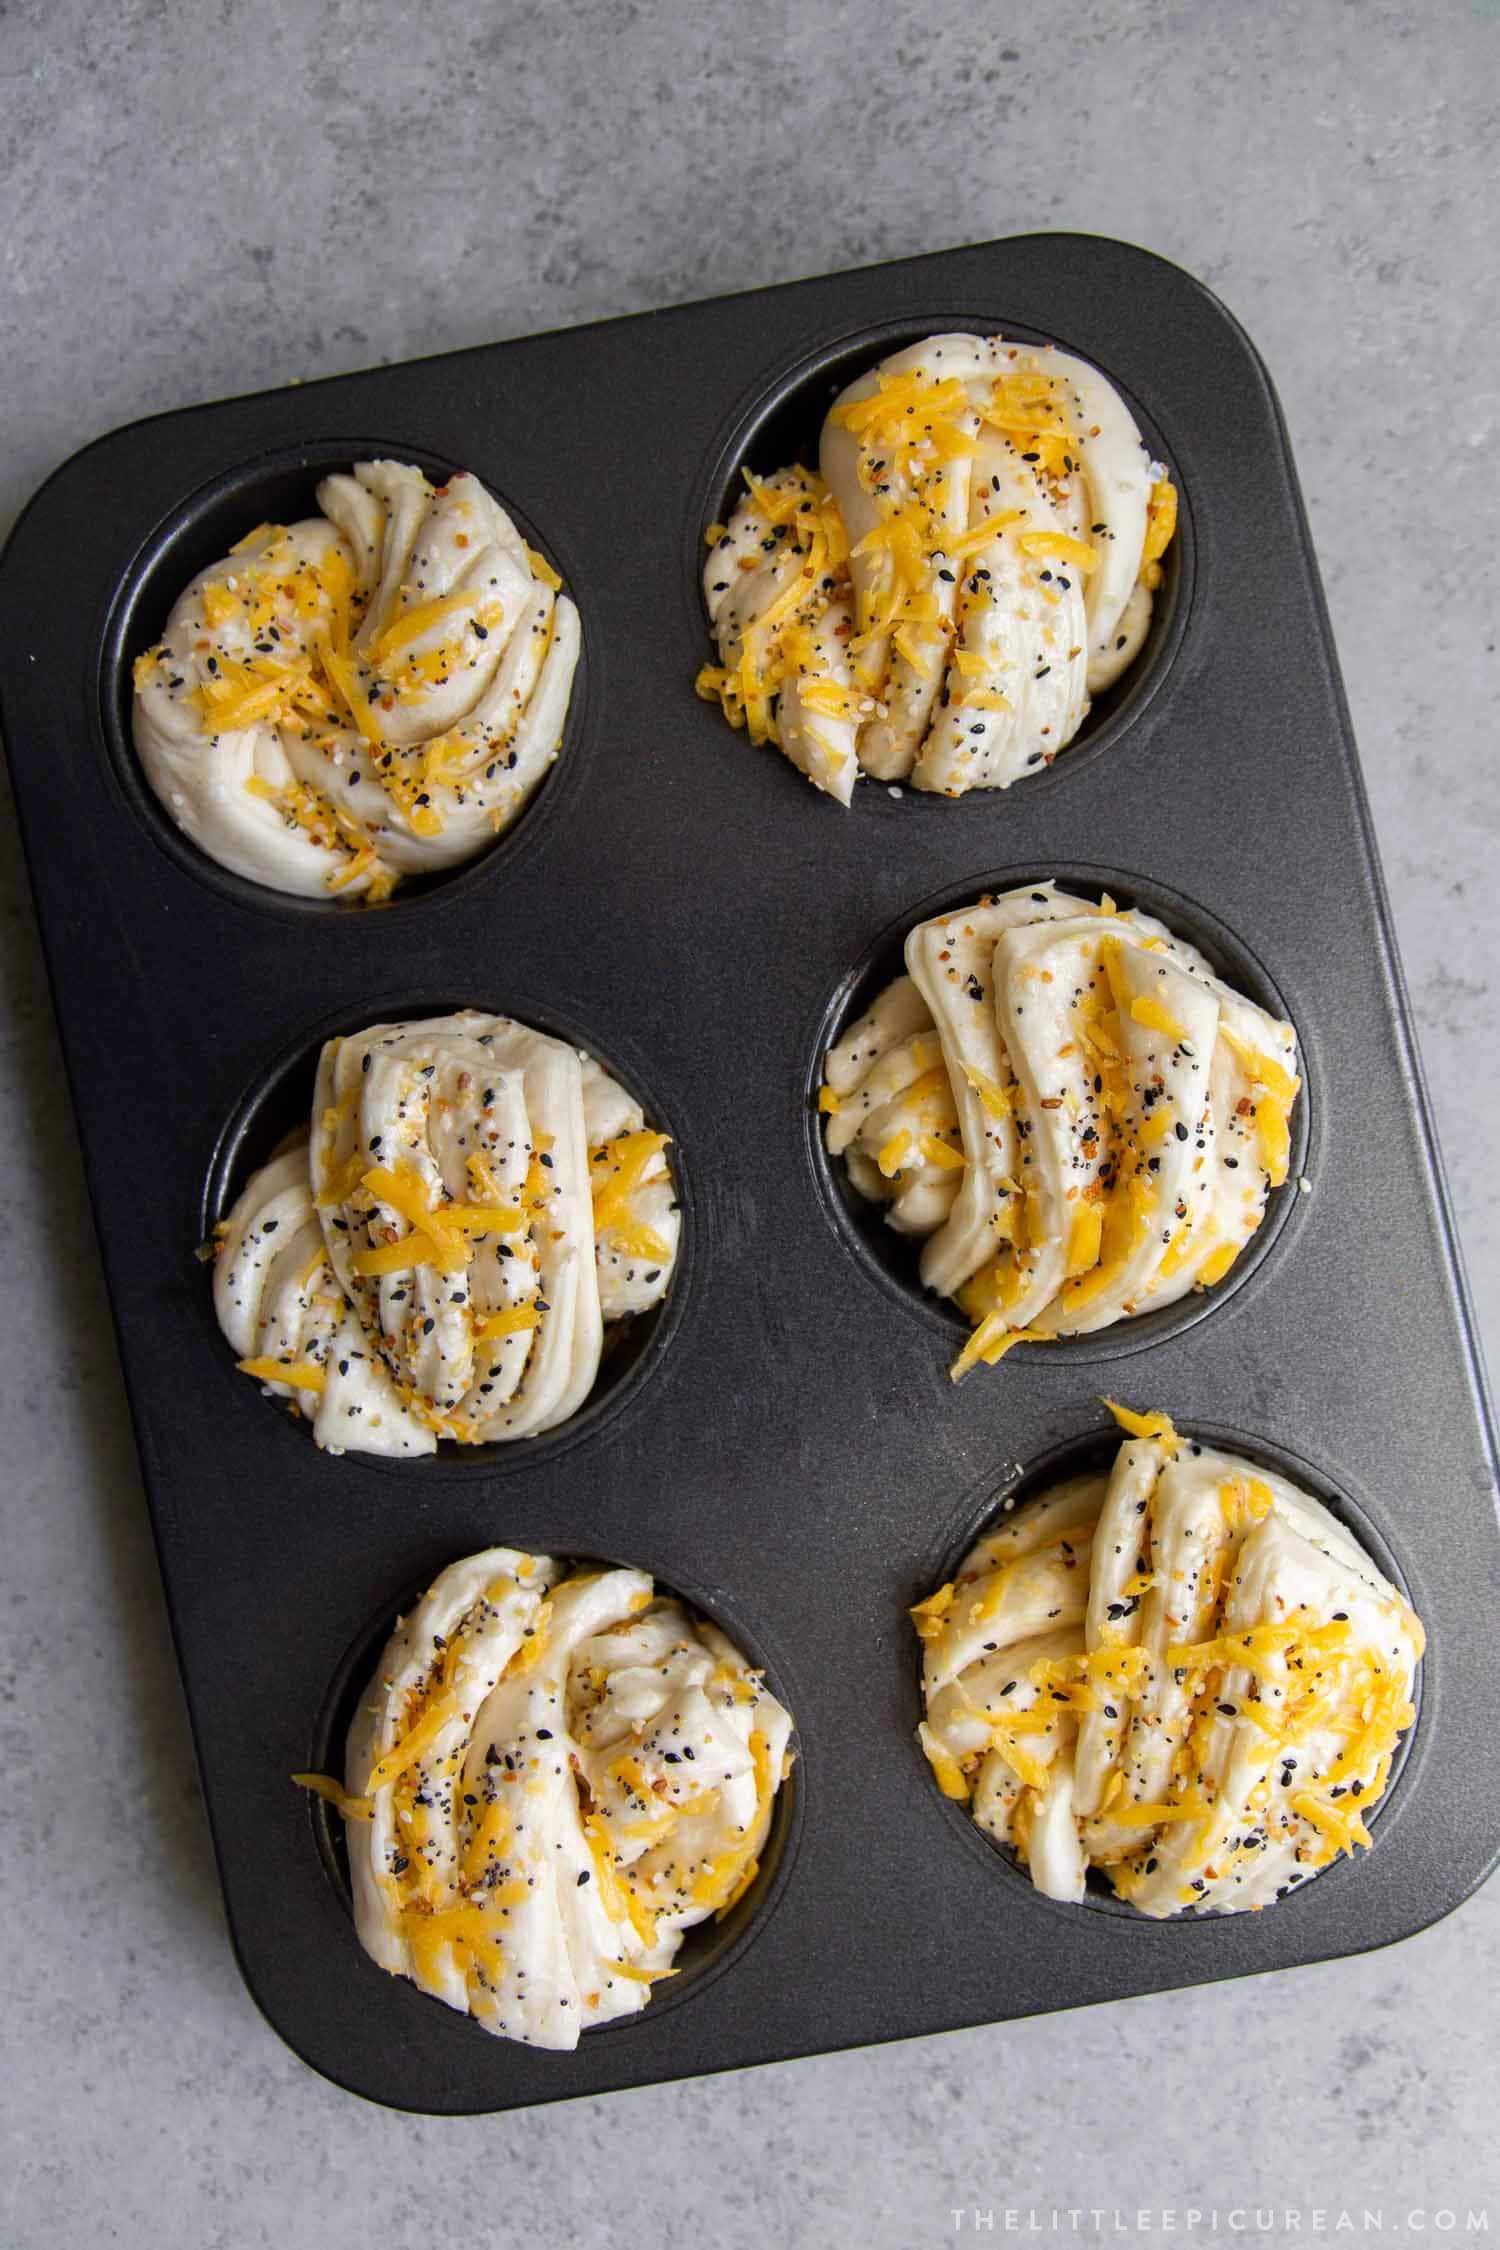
1091 1452
779 423
201 528
708 1949
279 1103
892 1260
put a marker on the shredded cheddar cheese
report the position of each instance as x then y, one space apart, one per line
297 1374
1148 1010
1161 521
1156 1425
333 1793
930 1616
1056 546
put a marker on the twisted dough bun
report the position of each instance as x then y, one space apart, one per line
1077 1118
976 559
549 1782
372 693
1186 1673
439 1254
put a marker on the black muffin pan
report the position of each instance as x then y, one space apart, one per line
782 1443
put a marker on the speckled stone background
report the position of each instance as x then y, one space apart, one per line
207 198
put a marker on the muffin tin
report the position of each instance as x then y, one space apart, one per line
783 1445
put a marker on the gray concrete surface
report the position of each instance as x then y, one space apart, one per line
200 199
